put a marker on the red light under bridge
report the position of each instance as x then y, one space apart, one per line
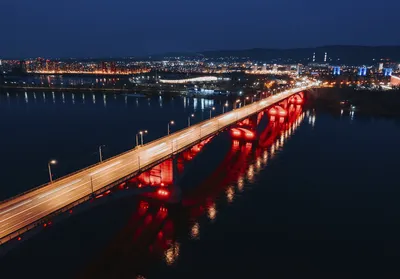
243 133
278 111
296 99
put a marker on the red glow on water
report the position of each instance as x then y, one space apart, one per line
163 193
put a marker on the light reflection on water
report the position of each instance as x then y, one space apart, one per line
172 253
195 231
212 211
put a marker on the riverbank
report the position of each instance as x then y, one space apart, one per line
142 92
382 103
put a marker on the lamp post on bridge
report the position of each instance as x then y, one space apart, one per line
211 109
141 135
192 115
223 108
172 123
101 153
237 102
247 98
52 162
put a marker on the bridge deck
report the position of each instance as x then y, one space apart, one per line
24 211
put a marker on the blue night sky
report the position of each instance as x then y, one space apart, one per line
102 28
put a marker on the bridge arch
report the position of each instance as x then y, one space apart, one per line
297 99
277 111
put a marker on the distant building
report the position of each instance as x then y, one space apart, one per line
189 80
313 58
264 67
380 67
387 72
336 71
362 71
299 69
325 57
22 66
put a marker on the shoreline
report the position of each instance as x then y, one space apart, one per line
148 93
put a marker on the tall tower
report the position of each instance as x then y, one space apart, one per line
325 57
313 58
298 69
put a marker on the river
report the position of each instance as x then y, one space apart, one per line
319 201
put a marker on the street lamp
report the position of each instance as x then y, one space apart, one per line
223 108
247 98
213 108
237 101
101 153
192 115
172 123
141 135
52 162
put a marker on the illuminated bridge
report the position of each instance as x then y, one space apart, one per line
27 210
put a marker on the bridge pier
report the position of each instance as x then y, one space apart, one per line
175 189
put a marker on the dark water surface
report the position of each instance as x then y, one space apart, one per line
318 202
38 127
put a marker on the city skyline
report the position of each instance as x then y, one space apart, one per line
123 28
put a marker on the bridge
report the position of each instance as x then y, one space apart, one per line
25 211
152 229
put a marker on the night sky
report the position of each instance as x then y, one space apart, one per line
103 28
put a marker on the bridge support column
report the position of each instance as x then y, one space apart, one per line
175 190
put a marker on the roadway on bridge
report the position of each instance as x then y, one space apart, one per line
28 208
